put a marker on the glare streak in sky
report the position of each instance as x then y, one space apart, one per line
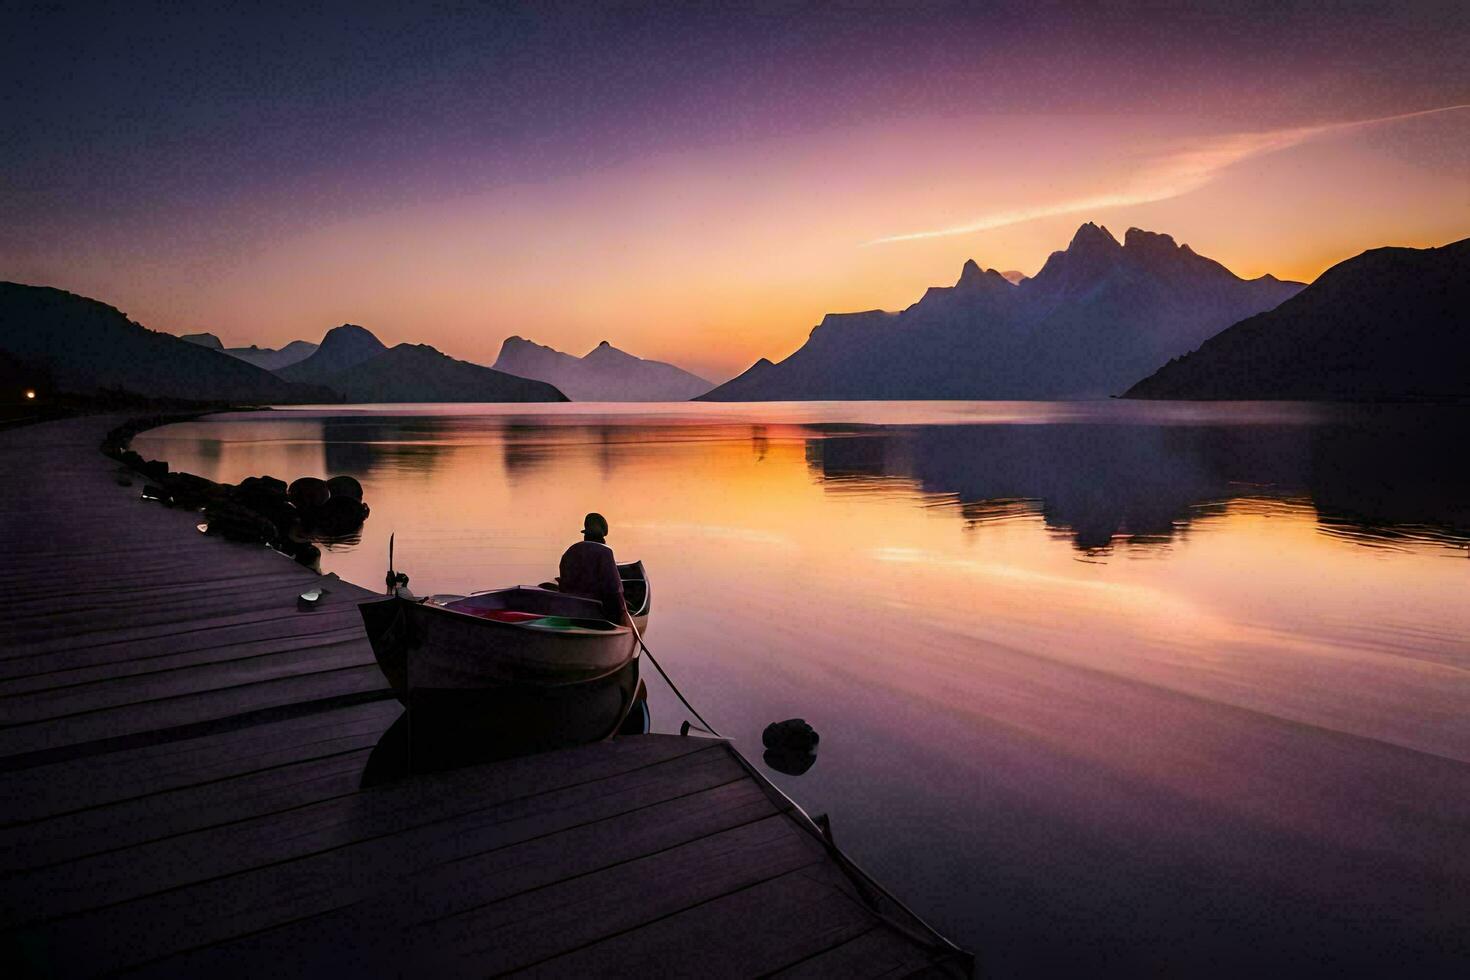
1172 174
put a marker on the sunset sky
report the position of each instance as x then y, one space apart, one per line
698 184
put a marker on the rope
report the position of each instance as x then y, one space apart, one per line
670 681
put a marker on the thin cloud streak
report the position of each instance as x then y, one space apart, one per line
1172 175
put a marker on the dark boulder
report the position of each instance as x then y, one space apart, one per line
793 762
306 554
236 523
154 469
188 490
345 486
264 486
308 493
338 516
792 734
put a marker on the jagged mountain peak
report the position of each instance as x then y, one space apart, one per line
1093 236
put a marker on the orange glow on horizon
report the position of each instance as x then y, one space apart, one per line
715 257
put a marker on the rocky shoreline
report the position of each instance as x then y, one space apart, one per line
291 518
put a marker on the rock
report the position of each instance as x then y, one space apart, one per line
236 523
793 762
345 486
307 554
188 490
264 485
794 734
339 515
308 493
155 469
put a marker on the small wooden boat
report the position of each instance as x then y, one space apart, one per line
517 636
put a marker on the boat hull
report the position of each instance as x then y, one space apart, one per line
426 648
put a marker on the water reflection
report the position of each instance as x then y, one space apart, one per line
1108 485
433 736
1248 749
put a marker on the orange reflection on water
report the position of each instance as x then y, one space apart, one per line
1230 652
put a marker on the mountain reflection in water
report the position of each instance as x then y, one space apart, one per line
1387 480
1138 688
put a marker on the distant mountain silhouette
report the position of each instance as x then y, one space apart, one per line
1390 324
419 373
1095 317
341 348
262 357
88 347
273 359
605 374
1014 277
203 340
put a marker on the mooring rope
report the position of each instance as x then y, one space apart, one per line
670 681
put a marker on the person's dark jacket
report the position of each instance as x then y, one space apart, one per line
588 568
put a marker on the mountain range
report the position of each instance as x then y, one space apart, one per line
605 374
1098 315
86 347
353 362
272 359
1389 324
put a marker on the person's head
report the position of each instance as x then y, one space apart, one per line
594 527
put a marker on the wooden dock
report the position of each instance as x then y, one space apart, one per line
181 757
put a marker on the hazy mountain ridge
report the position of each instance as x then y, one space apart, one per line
420 373
88 347
274 358
604 374
1095 317
341 348
1389 324
354 363
269 358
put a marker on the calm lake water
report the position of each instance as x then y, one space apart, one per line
1144 688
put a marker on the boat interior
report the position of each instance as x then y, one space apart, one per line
523 603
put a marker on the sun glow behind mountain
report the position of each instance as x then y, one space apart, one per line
535 177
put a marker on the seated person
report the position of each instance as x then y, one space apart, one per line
588 568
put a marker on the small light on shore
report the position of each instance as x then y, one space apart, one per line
30 393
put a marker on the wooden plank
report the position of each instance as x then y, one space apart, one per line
101 830
374 937
789 918
251 666
34 794
197 707
879 952
504 855
187 642
311 636
528 788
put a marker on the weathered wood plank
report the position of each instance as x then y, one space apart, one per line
504 854
875 953
794 915
531 790
40 792
196 707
